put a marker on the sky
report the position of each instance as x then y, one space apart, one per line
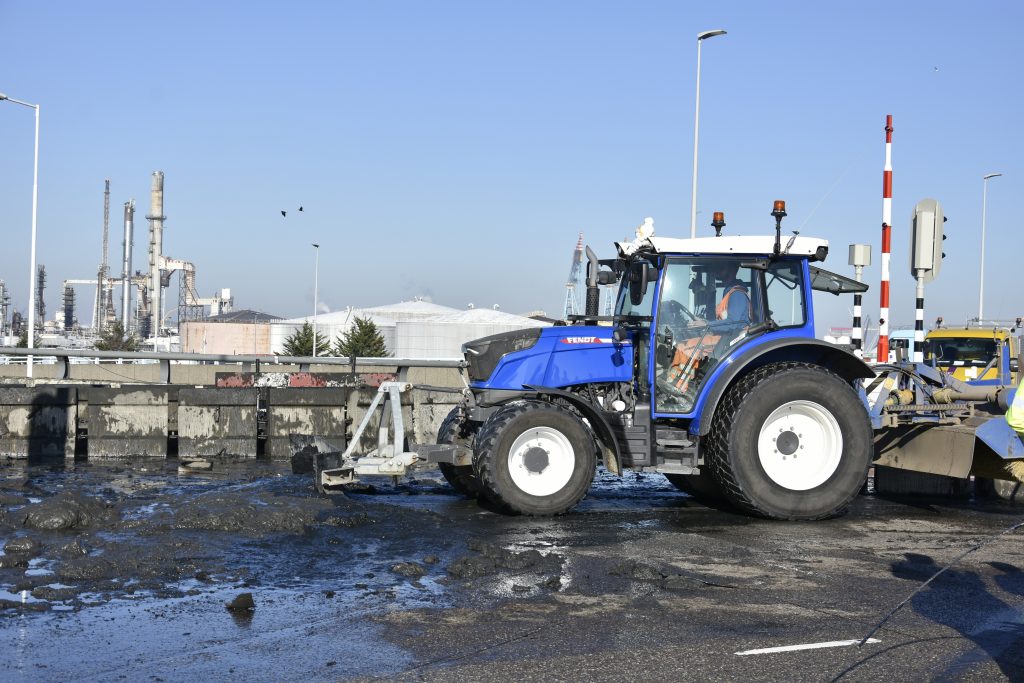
454 150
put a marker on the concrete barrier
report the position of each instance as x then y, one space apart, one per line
128 421
143 420
37 422
217 422
313 411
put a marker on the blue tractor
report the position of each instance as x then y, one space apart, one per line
708 372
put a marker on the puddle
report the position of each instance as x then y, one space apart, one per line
144 512
24 597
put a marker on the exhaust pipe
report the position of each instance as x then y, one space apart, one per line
593 305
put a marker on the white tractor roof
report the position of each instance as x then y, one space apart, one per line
734 244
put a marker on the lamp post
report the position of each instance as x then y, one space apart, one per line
981 283
32 257
696 128
316 278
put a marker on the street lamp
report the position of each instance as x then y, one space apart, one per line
32 261
696 127
981 283
316 278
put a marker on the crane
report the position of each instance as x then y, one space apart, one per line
572 304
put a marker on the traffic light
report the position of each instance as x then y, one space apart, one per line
926 238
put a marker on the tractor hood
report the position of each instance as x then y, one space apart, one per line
548 356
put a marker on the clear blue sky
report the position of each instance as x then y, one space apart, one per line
455 149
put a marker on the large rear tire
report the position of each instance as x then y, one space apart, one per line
790 441
534 458
455 430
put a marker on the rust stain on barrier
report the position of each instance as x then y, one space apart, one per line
375 379
240 379
306 379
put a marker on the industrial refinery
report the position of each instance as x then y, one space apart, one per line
135 298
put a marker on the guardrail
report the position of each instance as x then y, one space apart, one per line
64 356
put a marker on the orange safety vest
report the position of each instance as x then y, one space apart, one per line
722 309
689 355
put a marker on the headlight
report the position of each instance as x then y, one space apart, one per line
483 354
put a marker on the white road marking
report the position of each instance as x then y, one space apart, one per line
806 646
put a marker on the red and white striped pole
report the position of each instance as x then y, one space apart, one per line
882 354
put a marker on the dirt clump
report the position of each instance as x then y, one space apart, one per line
67 511
23 544
241 603
14 561
245 513
11 499
74 549
409 569
640 571
493 559
24 606
672 581
151 566
347 520
51 594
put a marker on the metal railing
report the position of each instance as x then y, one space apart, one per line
165 359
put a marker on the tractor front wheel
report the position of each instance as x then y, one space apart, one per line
534 458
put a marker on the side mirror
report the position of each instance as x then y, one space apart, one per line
638 273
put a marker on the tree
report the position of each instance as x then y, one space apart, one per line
362 340
23 338
300 343
112 338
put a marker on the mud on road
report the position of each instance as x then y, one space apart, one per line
127 571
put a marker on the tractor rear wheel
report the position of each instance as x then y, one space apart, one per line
790 441
454 430
534 458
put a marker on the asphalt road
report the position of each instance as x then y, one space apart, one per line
411 582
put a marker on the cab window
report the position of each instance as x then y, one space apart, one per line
785 293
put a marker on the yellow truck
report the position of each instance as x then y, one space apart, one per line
976 355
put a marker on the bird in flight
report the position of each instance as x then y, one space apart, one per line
284 213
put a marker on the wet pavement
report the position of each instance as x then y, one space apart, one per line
125 571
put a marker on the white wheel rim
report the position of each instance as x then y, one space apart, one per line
541 461
800 445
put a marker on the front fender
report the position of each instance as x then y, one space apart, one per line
798 349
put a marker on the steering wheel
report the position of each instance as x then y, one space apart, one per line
678 315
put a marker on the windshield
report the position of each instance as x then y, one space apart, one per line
954 351
624 306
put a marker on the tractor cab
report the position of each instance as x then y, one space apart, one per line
691 305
